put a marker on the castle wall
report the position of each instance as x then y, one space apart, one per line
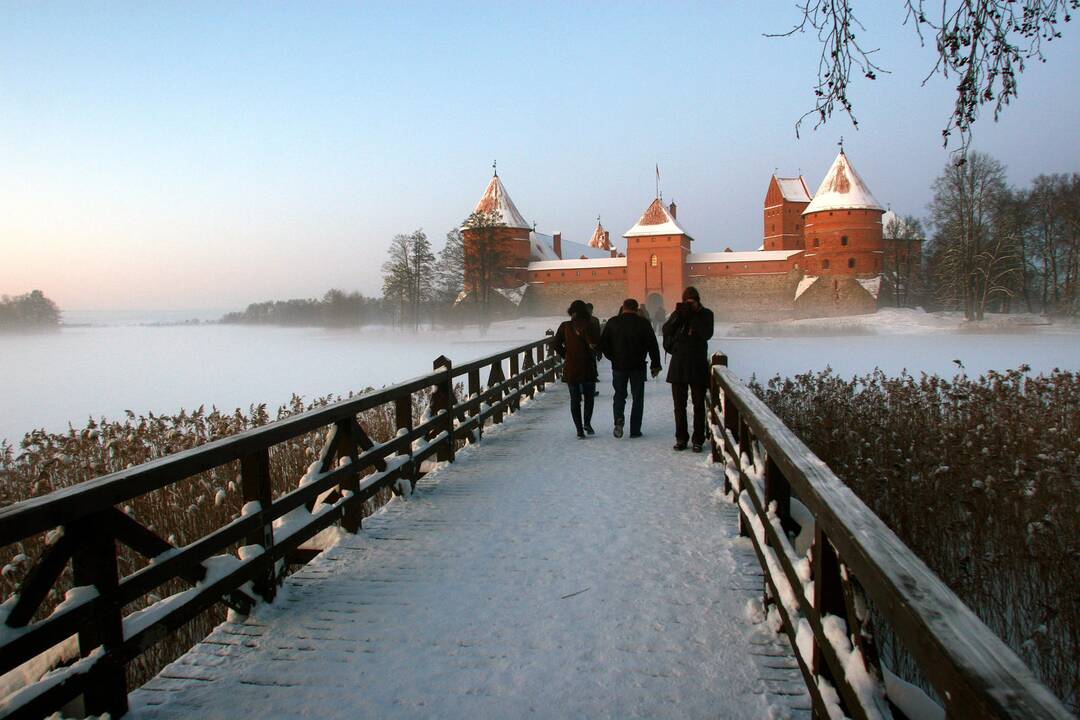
746 298
553 298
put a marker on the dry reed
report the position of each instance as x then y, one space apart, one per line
980 477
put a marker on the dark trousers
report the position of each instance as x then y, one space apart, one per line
679 392
578 392
636 379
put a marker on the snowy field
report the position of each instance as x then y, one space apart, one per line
102 370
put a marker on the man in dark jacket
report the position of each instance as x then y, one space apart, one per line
686 337
626 340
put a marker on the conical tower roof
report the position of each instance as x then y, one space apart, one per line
655 221
842 189
496 199
599 238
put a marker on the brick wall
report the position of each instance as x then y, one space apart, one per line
555 298
749 297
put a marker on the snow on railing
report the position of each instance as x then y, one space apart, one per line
825 556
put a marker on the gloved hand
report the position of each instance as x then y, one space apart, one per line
655 370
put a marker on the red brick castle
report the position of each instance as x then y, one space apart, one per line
821 255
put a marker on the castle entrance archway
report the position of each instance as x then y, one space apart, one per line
654 303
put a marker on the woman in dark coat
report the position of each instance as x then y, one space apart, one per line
576 341
686 338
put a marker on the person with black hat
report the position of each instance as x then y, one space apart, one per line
577 342
627 341
686 339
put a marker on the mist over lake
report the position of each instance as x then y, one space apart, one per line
51 379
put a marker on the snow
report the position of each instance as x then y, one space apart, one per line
740 257
871 285
805 284
519 580
513 295
842 189
573 251
911 699
793 189
541 246
606 262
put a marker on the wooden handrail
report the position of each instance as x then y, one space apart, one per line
971 669
91 526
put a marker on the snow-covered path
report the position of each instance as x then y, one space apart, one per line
538 575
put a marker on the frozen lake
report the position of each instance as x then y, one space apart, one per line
52 378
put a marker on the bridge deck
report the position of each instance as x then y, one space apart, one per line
537 575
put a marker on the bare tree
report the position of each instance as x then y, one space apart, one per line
408 276
901 265
963 211
485 259
983 44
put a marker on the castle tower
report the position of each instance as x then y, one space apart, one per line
842 229
656 250
601 238
785 201
507 244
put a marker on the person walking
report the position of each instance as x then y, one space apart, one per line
626 340
595 321
577 342
686 338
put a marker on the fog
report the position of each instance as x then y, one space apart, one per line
51 379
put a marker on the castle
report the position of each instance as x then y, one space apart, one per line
820 256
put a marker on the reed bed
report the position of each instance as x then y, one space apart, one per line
181 512
978 476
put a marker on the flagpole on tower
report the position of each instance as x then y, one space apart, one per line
658 195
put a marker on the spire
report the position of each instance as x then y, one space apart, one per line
600 237
496 199
842 189
495 167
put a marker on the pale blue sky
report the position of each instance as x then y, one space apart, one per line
207 155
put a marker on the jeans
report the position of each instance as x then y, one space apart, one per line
679 391
636 378
578 392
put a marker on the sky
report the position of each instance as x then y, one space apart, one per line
199 156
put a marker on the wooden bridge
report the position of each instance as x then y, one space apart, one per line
519 572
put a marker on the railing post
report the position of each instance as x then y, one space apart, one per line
255 485
528 367
495 397
443 400
403 421
347 435
778 490
746 446
715 404
828 591
515 373
94 563
474 401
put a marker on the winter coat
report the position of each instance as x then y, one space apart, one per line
687 335
626 340
576 341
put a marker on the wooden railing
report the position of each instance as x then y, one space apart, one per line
782 489
86 526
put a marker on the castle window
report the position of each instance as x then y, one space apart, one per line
851 262
796 226
772 228
843 239
653 260
825 264
817 243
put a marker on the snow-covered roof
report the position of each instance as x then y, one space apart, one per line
599 238
514 295
793 189
541 247
805 284
871 285
588 264
573 251
842 189
746 256
496 199
655 221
